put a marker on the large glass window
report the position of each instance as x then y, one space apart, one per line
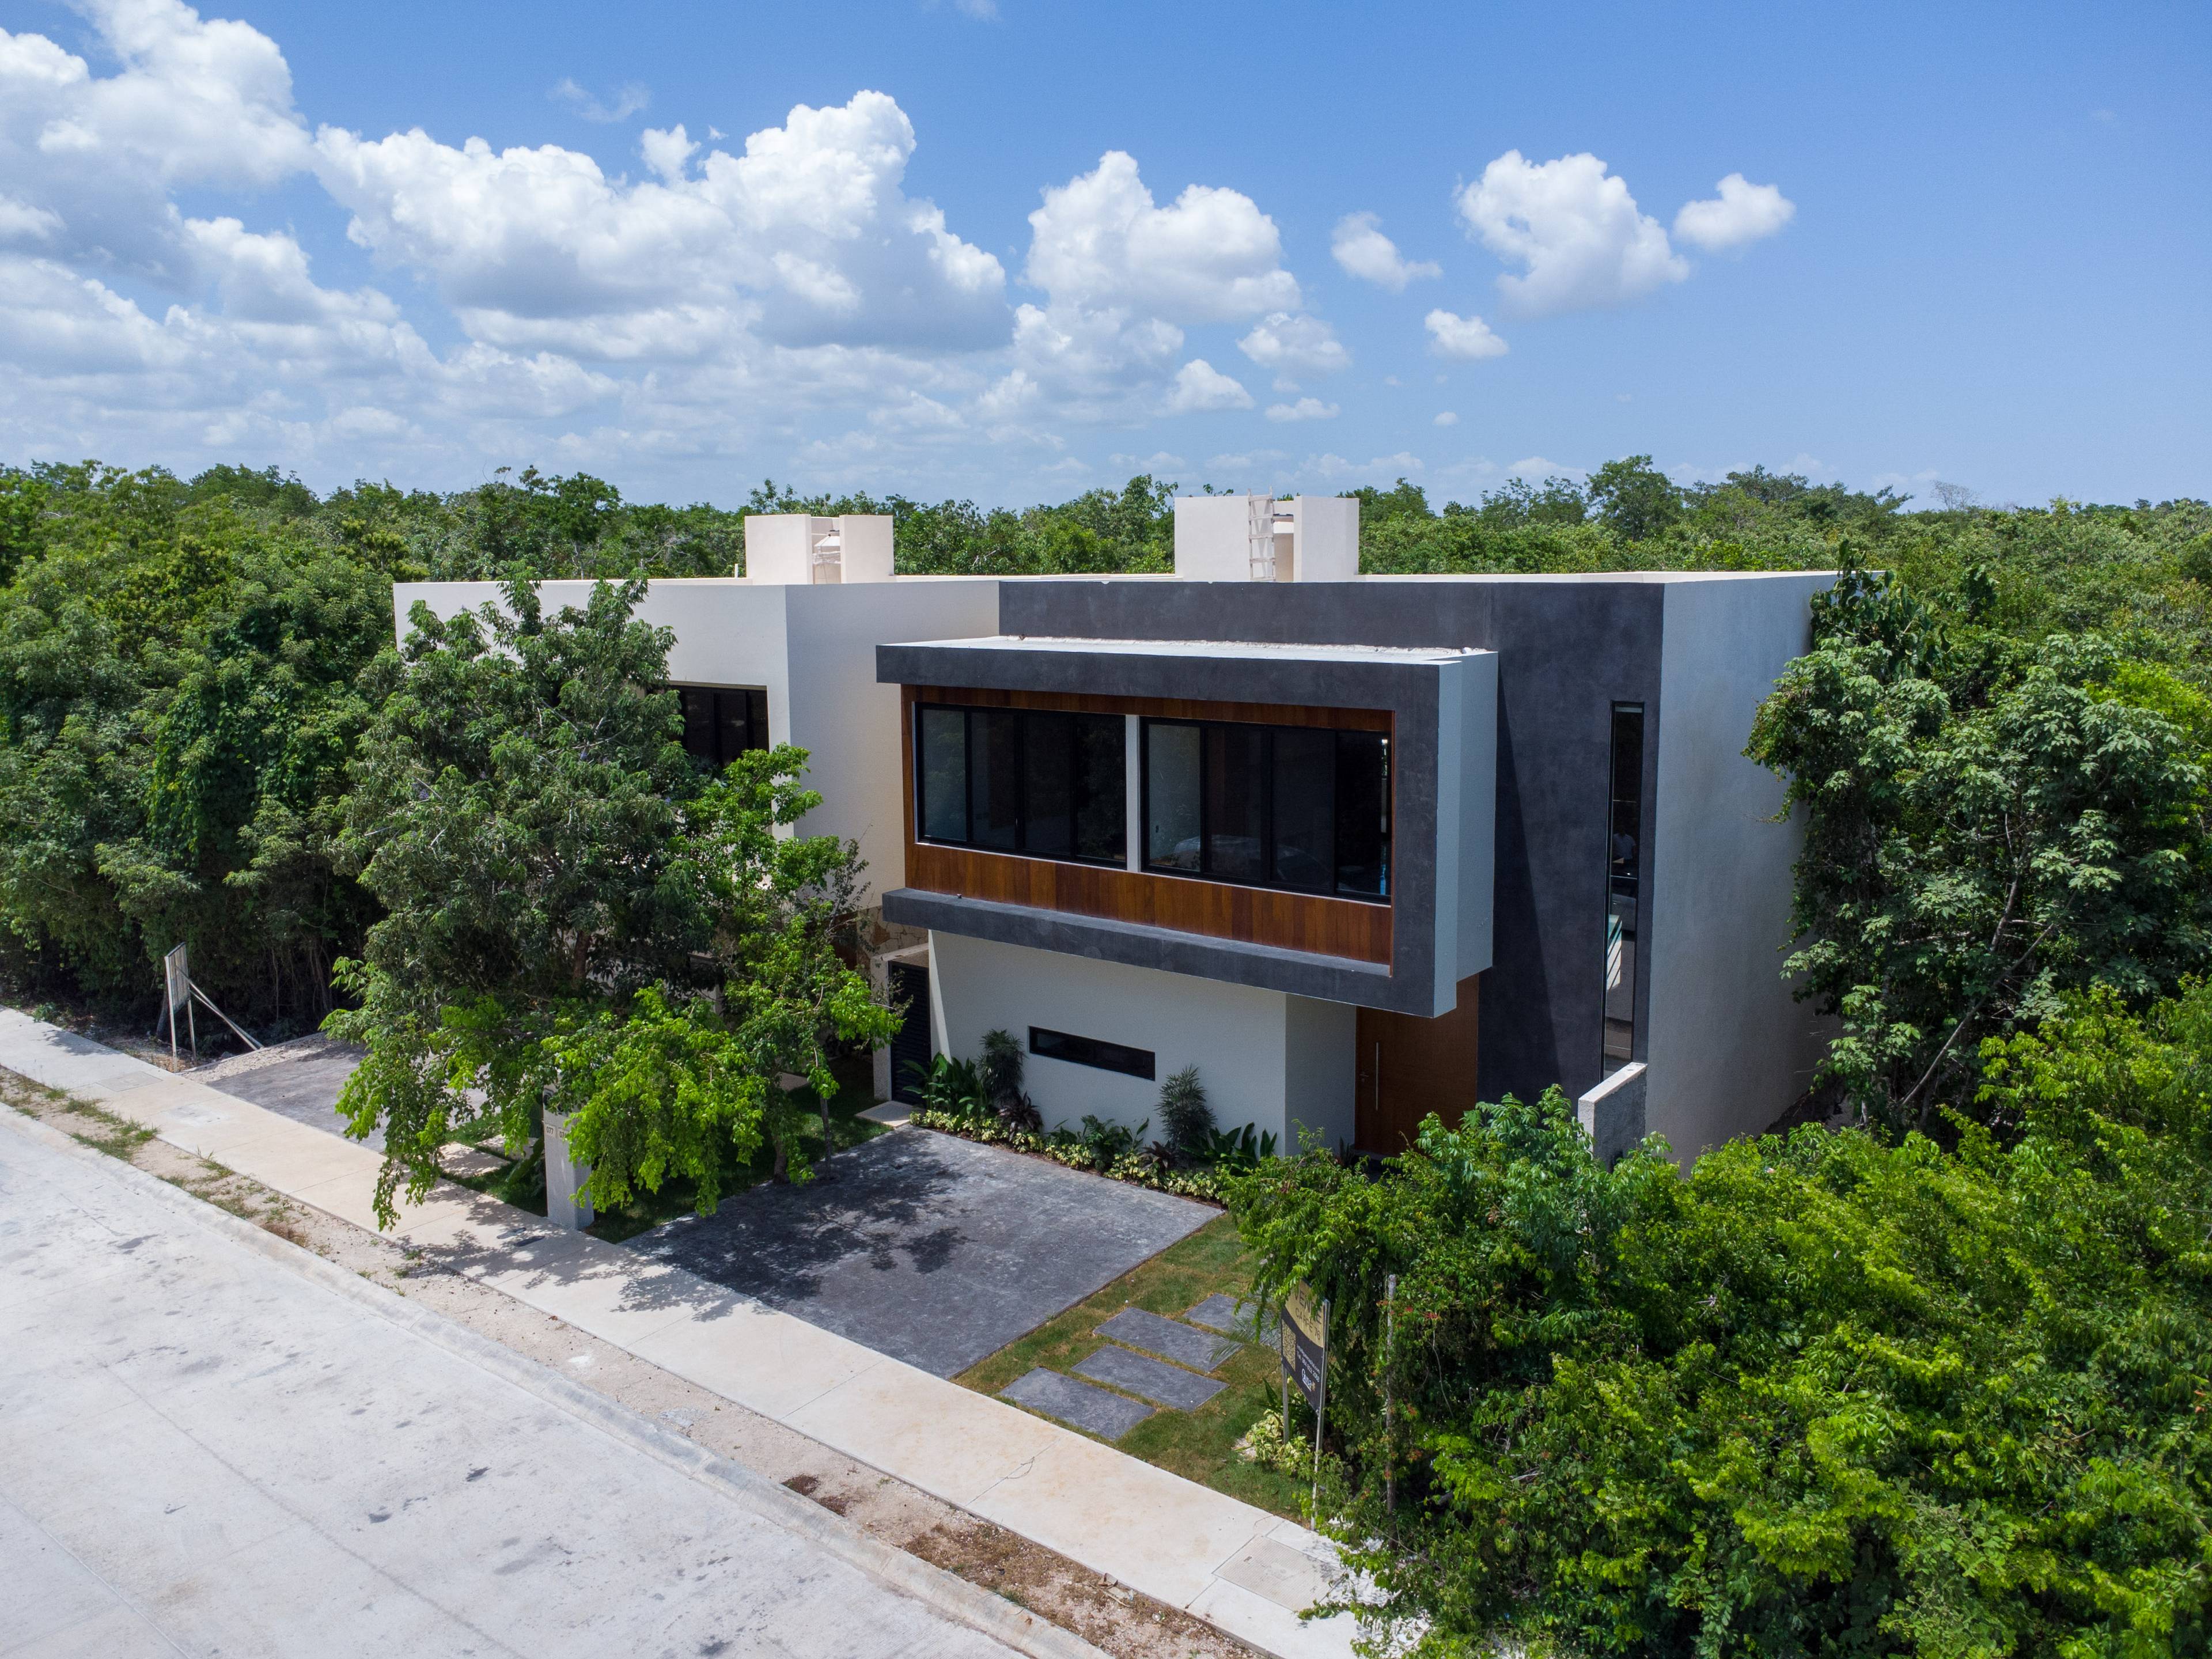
1623 881
1048 785
722 723
1273 806
1172 817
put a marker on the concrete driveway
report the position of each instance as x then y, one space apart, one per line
930 1249
208 1445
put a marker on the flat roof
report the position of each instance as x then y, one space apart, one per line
1212 650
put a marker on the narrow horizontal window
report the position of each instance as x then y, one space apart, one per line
1047 785
1092 1051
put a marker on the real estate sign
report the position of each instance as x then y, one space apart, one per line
177 973
1305 1342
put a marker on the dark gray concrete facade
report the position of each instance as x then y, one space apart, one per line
1569 648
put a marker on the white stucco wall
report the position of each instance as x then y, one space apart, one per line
847 723
1266 1059
1727 1049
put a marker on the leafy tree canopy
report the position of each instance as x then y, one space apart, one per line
575 917
1990 824
1819 1395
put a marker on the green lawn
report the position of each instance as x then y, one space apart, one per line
526 1189
1199 1445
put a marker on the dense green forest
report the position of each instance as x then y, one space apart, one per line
1932 1382
185 663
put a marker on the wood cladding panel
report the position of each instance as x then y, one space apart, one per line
1409 1067
1255 915
1157 709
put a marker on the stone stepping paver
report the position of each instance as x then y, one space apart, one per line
1108 1415
1224 1313
1187 1345
1150 1379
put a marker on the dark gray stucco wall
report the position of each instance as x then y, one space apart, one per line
1568 650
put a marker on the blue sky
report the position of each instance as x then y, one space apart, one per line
1966 244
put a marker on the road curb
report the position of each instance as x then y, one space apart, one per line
944 1592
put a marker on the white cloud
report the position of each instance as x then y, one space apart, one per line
1295 345
1359 245
1200 386
1446 417
1123 276
1382 468
1574 229
1467 338
1099 241
1254 460
807 239
1743 212
1306 408
628 99
1537 467
784 298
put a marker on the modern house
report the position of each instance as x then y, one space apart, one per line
1359 848
1362 848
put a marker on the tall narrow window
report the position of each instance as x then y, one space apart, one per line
1052 785
1236 801
941 735
1363 814
1171 791
994 778
1048 785
1624 856
1102 792
1305 810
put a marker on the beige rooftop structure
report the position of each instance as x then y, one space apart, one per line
1266 538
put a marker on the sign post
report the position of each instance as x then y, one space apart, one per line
177 978
1390 1444
1305 1362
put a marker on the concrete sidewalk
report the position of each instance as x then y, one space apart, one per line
1241 1569
212 1443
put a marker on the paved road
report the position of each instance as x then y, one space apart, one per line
205 1450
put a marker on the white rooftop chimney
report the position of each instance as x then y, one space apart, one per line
802 550
1266 538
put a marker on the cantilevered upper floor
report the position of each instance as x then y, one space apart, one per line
1314 819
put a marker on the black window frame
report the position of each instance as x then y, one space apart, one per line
756 698
1268 848
1077 797
1096 1053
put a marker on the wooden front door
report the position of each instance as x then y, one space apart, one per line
1410 1066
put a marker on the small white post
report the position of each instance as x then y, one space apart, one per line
566 1204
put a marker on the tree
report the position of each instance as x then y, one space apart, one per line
1988 827
1634 499
576 918
177 702
1819 1395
